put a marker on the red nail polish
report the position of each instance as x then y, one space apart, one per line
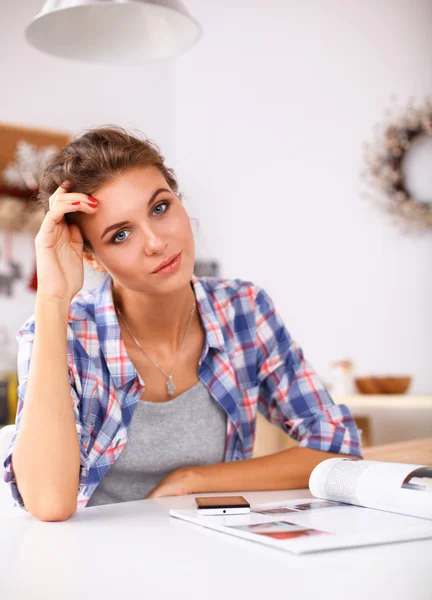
75 203
92 199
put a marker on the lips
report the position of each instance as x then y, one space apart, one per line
166 262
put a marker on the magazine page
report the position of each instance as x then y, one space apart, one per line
393 487
312 525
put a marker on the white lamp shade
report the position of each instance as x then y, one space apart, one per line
113 31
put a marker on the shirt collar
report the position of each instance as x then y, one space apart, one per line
112 346
206 308
117 360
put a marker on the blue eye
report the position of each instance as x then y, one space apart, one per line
121 236
163 205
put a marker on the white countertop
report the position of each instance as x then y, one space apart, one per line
390 401
392 417
135 550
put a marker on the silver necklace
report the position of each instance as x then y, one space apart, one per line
170 385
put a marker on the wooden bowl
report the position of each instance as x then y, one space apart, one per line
382 385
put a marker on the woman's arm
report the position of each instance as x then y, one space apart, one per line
46 455
44 466
286 470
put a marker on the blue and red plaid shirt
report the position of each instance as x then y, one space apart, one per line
249 362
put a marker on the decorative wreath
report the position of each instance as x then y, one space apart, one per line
384 162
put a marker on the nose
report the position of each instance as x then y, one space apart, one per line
153 244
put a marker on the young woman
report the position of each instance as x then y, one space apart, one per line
150 384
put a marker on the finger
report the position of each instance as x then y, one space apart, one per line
62 189
64 186
71 197
54 216
62 208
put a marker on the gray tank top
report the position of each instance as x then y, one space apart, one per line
189 430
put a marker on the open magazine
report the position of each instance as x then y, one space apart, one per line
357 503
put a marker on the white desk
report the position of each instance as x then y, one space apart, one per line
135 550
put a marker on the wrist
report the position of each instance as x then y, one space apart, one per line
50 305
191 479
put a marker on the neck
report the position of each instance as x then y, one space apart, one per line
156 321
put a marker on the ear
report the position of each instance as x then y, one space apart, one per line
93 262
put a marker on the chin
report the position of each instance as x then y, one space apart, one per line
155 285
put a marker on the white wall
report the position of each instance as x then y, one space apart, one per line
265 119
271 111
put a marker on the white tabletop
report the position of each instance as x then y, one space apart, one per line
135 550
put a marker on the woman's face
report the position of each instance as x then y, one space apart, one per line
140 223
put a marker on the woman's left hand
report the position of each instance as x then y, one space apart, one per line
177 483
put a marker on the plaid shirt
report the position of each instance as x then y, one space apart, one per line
249 362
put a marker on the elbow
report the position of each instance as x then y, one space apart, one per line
55 516
52 511
46 503
52 514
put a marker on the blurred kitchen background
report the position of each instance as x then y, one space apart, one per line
265 120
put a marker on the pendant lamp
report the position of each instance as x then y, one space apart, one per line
124 32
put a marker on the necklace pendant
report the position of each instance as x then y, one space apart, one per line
171 387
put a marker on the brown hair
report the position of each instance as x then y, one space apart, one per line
95 157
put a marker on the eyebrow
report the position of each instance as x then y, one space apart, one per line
123 223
